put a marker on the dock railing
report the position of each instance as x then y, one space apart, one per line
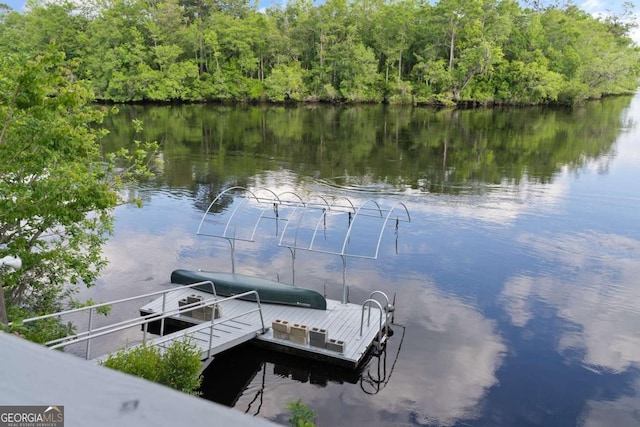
143 321
384 310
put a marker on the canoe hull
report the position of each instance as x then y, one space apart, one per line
271 292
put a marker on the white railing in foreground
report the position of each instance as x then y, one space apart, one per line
92 333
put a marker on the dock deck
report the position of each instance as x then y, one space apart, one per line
210 342
342 322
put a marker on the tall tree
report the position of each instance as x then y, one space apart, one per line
57 193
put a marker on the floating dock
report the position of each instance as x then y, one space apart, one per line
341 335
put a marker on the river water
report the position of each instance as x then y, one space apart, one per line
517 281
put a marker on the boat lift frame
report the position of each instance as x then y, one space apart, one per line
272 203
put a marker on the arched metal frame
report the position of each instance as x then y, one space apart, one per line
275 201
300 207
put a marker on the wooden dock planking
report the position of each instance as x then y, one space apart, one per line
341 321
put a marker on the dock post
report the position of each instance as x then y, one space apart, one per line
344 279
164 304
233 254
89 330
210 339
293 266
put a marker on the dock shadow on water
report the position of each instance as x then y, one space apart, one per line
244 376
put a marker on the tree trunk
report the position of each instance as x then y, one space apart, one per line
452 45
3 307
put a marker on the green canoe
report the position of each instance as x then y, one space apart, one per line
228 284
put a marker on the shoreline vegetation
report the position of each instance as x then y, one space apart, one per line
450 53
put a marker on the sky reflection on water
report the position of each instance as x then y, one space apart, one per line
601 298
519 299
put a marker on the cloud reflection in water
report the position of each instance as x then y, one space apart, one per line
447 364
599 295
621 412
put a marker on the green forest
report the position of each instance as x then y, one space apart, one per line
481 52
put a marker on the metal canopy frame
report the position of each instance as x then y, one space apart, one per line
318 208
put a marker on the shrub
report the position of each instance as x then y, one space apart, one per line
40 331
301 415
177 367
180 367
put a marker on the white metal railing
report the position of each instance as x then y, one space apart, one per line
385 309
92 308
388 308
154 317
92 333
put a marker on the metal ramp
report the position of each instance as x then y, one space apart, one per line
212 336
210 339
213 339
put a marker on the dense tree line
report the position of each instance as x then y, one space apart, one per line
399 51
